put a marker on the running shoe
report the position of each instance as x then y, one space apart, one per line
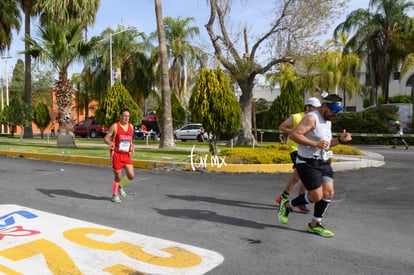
115 198
281 197
283 211
303 209
320 230
122 192
278 199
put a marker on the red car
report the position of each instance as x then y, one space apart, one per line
90 128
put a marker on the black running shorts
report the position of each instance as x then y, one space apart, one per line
293 157
313 175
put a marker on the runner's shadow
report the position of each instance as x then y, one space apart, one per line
212 216
69 193
253 205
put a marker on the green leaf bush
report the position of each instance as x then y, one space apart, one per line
273 154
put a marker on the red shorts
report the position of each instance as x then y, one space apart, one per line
119 160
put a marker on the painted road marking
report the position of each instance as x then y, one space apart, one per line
37 242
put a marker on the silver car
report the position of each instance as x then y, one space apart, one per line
193 131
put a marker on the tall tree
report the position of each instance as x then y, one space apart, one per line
178 33
348 65
336 72
167 137
42 86
61 13
214 104
18 113
113 102
9 20
128 54
289 102
407 66
60 48
27 8
16 86
81 95
41 116
376 32
294 23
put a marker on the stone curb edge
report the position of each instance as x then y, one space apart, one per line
343 163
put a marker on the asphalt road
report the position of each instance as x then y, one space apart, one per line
234 215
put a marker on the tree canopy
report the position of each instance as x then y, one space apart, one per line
294 26
214 104
116 99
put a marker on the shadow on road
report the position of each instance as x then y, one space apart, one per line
70 193
212 216
253 205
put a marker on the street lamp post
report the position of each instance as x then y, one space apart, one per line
110 52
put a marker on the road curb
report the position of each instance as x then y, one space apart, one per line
342 163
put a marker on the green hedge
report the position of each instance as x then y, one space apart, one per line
273 154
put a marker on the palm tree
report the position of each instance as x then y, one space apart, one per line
167 138
406 67
129 55
376 30
337 72
364 43
81 95
177 34
66 11
9 20
61 12
60 47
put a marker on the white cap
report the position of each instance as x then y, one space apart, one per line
313 101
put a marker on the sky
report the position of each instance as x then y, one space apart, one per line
141 14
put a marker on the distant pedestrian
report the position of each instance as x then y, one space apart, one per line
400 132
119 138
314 136
52 130
286 127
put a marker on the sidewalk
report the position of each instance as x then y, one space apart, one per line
341 163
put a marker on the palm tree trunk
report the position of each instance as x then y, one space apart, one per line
167 137
373 94
64 98
28 131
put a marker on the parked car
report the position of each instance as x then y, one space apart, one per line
193 131
90 128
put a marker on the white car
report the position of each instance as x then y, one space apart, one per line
193 131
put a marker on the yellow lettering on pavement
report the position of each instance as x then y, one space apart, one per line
180 257
57 260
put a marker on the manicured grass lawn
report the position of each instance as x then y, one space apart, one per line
266 154
96 148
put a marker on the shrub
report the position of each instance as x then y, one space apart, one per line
346 150
372 120
273 154
400 99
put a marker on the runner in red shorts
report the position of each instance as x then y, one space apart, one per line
119 138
